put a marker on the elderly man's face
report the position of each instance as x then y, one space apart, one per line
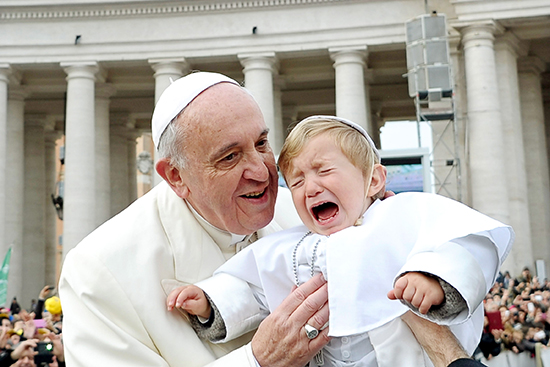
231 176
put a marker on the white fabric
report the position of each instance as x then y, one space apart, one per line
178 95
114 283
362 262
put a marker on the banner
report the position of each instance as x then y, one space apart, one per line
4 279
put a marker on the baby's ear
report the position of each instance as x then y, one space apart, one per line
377 181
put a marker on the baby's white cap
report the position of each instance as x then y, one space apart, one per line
349 123
178 95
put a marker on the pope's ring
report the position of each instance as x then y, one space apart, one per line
311 332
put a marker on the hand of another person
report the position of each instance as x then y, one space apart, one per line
419 290
497 333
281 340
4 336
438 341
54 362
190 298
24 349
45 292
58 350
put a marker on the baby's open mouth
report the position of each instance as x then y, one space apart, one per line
324 211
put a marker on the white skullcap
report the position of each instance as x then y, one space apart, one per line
349 123
178 95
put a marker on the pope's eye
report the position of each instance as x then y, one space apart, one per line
229 157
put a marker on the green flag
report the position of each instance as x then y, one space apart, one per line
4 278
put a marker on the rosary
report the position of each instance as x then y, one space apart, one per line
319 357
295 261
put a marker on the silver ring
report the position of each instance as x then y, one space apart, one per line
311 332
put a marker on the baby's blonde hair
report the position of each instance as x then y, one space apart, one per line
353 144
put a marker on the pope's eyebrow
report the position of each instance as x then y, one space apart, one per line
223 150
264 133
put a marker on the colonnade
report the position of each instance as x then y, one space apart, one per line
506 146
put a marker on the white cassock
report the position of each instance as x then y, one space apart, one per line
407 232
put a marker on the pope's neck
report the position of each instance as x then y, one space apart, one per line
227 242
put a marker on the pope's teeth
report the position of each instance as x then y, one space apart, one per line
254 194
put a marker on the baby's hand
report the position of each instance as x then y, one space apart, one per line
190 298
419 290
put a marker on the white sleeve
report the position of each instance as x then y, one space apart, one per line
237 303
469 264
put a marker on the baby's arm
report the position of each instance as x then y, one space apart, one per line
419 290
191 299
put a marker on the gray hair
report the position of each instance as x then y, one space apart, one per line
171 143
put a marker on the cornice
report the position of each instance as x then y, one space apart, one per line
140 10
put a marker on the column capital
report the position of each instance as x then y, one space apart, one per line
531 64
17 93
35 119
121 123
84 69
278 82
104 90
177 65
479 31
509 41
338 49
5 72
259 60
369 75
352 54
49 122
51 134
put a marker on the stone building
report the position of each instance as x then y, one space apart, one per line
90 71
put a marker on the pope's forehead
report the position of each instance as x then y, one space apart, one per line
222 93
221 105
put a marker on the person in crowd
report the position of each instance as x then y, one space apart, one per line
14 307
319 154
23 354
219 194
44 294
523 310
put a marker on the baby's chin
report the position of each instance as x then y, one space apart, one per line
327 230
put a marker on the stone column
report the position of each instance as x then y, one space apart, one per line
278 133
50 236
290 116
34 243
119 163
259 70
486 155
165 71
506 54
15 188
460 118
132 164
102 151
536 159
351 98
5 72
79 217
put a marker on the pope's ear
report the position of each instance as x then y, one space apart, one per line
378 180
173 176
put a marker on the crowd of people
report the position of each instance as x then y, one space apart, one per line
516 312
32 337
